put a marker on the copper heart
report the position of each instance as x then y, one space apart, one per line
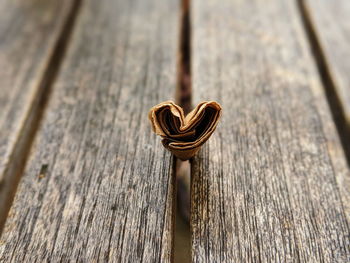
184 136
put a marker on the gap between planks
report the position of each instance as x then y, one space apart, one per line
183 97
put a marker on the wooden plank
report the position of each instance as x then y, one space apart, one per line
98 185
330 22
271 185
29 31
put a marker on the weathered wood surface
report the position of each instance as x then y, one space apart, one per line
330 21
98 185
29 31
271 185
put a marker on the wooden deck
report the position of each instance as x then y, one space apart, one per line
84 179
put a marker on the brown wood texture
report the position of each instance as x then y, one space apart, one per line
271 185
330 21
29 31
99 185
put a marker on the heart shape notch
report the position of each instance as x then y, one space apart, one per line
184 136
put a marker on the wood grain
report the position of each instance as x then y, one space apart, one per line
330 22
99 186
271 185
29 31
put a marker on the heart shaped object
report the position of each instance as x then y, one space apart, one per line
184 136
